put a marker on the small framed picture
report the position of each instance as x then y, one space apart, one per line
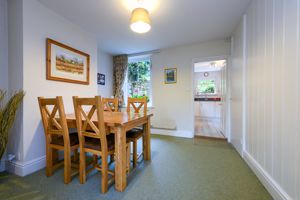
170 75
100 79
67 64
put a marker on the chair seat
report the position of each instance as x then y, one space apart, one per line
134 133
95 144
59 139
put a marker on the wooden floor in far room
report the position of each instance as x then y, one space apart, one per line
208 127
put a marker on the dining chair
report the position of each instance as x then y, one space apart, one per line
135 105
110 104
58 137
94 139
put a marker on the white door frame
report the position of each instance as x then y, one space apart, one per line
226 107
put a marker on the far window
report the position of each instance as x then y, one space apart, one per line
206 86
139 79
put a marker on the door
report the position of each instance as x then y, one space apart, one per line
209 85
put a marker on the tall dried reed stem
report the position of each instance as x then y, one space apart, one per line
8 112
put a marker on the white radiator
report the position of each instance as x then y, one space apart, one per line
164 124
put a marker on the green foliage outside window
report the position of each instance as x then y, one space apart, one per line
139 79
206 86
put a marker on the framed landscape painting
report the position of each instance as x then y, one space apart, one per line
67 64
170 75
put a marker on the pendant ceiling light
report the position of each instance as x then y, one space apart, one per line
140 21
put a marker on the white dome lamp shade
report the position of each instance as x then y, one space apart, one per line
140 21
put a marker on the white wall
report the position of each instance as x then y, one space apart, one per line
15 71
40 23
3 45
272 95
105 66
174 102
3 56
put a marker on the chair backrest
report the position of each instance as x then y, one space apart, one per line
54 118
90 123
137 104
110 104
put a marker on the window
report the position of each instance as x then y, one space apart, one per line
206 86
138 80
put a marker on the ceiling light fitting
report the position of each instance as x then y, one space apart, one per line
140 20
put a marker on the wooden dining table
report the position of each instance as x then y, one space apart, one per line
121 122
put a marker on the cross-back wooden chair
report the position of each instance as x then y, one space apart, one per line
58 137
110 104
136 105
94 139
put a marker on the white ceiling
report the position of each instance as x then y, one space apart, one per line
174 22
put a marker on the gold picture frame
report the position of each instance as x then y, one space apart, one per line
170 75
66 64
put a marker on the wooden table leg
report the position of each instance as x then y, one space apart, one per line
120 159
147 141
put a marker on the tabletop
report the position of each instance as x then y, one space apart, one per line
116 118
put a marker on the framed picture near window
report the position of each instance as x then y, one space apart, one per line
100 79
170 75
67 64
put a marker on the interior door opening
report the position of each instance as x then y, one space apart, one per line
209 99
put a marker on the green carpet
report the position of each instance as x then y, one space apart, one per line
181 169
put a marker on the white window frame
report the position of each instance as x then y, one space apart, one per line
125 85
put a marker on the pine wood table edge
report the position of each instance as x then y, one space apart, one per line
122 122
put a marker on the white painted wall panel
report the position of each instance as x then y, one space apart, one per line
290 102
268 81
297 139
278 79
272 93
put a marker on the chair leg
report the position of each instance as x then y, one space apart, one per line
82 172
104 181
67 166
134 153
49 161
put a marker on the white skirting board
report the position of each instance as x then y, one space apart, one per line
271 185
175 133
24 168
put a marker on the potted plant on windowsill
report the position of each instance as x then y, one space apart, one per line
8 110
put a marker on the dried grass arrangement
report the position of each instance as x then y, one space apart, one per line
8 111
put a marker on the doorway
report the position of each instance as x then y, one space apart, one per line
209 95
